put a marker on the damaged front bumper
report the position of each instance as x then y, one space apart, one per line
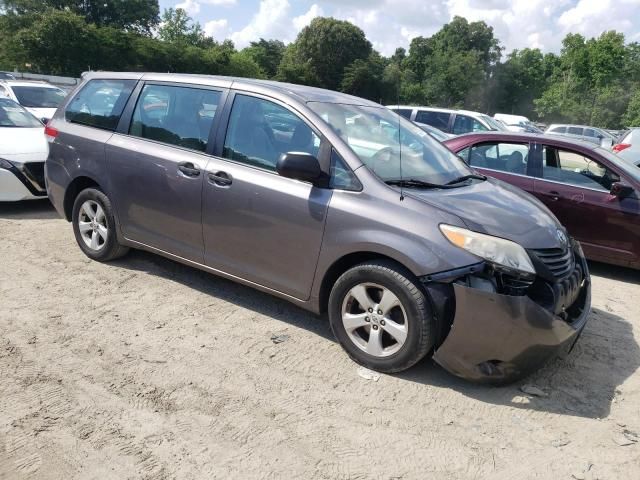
498 338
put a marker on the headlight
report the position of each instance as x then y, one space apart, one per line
5 164
493 249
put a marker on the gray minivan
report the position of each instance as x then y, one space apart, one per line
327 200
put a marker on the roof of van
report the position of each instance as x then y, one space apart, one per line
302 92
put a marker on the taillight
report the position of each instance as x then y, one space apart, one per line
620 146
51 133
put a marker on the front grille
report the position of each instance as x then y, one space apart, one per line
559 262
34 171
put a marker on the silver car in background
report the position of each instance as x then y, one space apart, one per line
583 132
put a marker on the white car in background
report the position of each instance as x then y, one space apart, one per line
453 122
40 98
517 123
23 150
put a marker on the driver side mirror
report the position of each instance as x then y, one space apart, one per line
299 166
621 190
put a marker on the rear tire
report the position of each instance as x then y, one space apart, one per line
94 226
381 316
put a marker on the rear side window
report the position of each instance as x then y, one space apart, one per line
404 112
504 157
435 119
100 103
180 116
464 124
260 131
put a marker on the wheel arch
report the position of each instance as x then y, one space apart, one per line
73 189
343 264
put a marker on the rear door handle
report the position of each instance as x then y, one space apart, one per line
189 169
555 196
222 179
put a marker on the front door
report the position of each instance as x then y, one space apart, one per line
257 225
576 188
157 170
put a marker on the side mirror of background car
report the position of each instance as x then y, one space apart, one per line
44 120
299 166
621 190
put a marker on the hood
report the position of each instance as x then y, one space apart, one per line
23 144
499 209
41 113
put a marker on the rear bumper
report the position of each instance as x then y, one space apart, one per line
499 339
14 186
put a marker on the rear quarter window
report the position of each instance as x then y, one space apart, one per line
100 103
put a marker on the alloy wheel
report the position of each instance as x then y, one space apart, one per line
92 223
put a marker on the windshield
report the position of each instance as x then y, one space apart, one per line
372 134
13 115
626 166
38 97
493 123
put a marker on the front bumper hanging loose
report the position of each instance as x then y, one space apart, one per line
498 338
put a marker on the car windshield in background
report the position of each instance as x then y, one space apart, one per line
378 136
38 97
13 115
494 124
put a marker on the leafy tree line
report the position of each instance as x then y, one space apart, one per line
593 81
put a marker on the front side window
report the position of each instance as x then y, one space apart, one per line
384 142
100 103
559 130
464 124
180 116
39 97
260 131
504 157
342 178
13 115
439 120
574 130
574 168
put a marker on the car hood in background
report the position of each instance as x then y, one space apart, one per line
23 144
496 208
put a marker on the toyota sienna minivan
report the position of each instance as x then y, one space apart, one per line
330 201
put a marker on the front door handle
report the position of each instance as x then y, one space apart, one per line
189 169
222 179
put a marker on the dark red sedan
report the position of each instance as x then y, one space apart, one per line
593 192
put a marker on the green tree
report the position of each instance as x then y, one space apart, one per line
631 117
178 27
365 78
267 54
134 15
324 49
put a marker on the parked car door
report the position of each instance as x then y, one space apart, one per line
503 160
439 120
160 164
466 124
576 187
258 225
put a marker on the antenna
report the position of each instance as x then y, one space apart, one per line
400 138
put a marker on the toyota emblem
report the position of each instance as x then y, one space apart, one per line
562 237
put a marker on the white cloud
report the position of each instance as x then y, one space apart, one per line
271 21
303 20
192 7
389 24
217 29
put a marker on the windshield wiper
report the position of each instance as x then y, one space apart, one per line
473 176
414 183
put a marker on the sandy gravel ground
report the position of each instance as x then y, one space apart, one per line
144 368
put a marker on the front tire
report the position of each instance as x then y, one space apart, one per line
381 317
94 226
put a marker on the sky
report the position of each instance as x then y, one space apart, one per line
389 24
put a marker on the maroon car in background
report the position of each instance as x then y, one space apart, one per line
594 193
